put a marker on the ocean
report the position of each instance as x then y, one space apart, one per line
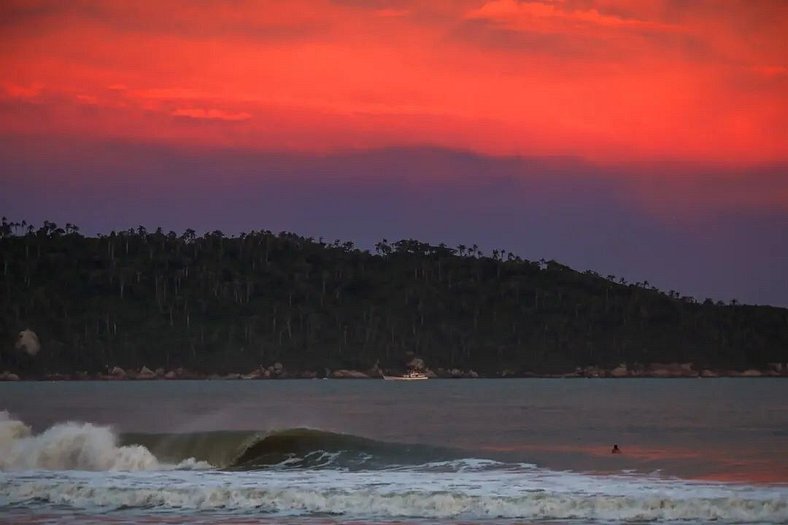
368 451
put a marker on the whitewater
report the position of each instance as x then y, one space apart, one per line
84 470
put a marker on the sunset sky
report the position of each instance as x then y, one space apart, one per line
641 138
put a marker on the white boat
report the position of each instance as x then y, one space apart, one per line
411 375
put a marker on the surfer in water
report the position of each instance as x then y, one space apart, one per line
615 450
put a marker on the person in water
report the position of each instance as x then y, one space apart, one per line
615 450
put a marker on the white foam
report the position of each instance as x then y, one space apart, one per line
467 465
72 446
470 496
76 464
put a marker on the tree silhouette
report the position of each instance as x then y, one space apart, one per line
219 303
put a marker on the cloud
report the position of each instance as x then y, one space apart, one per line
244 20
392 13
551 17
211 114
609 80
87 99
23 91
770 71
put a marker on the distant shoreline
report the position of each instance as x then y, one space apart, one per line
98 380
274 373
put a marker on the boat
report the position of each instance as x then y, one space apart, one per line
411 375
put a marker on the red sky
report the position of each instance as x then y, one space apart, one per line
605 80
643 138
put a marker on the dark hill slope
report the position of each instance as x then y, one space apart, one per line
217 303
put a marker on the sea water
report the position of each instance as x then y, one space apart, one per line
438 451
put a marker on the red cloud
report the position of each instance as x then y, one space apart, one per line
771 71
210 114
551 16
602 79
24 92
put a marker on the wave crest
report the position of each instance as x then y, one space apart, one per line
86 446
294 448
69 446
308 448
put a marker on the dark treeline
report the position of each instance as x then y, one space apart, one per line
218 303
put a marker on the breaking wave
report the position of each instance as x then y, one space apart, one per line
73 446
85 446
305 472
404 503
296 448
293 448
306 448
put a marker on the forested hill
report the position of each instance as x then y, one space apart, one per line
218 303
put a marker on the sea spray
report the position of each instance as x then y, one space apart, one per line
86 446
69 446
304 473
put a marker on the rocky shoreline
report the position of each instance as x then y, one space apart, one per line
279 371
